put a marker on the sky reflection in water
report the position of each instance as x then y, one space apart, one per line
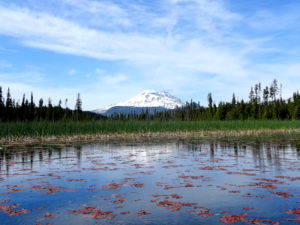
167 183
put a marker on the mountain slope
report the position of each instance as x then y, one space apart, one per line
148 99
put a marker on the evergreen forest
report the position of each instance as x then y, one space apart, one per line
263 104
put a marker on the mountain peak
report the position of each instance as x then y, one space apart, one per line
147 99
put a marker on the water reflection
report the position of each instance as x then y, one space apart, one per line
263 154
184 182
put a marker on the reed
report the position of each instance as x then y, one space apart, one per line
41 129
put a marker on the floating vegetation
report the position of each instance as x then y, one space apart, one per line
208 182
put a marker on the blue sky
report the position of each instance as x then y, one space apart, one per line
111 50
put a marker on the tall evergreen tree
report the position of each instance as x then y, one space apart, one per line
31 108
251 95
2 106
41 102
233 101
266 95
9 106
49 114
78 105
296 114
274 90
9 101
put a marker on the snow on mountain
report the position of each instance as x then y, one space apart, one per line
147 99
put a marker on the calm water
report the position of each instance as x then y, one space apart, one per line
162 183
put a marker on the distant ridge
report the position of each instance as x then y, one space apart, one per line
147 100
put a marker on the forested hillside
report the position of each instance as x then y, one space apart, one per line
263 104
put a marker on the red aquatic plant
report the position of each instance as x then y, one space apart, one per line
233 219
282 194
86 210
173 206
293 220
295 211
93 212
176 196
142 213
112 186
272 181
117 196
265 185
8 209
289 178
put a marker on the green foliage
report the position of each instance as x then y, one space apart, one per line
28 111
296 114
78 105
262 105
47 128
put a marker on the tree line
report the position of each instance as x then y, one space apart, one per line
263 104
28 110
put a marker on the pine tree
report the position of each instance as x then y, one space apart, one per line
9 106
266 95
274 90
251 95
9 103
49 113
41 102
233 101
296 114
78 105
31 108
2 106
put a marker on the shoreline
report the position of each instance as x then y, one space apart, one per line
261 134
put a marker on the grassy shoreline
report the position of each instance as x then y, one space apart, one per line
111 127
32 133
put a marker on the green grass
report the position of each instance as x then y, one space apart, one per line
109 127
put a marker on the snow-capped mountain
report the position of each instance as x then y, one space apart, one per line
158 100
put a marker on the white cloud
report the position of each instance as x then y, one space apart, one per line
100 13
55 34
184 46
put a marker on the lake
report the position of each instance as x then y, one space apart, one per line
180 182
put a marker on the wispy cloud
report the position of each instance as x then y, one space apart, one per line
179 45
45 31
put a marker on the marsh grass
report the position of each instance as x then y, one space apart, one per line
41 129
